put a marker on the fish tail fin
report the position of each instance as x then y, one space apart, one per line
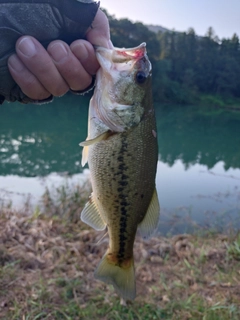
122 277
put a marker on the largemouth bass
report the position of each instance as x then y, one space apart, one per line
121 150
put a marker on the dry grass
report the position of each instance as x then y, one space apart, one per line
47 264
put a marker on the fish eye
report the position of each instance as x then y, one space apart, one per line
141 77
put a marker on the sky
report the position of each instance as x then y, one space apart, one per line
180 15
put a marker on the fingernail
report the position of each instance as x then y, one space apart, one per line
27 47
14 63
57 51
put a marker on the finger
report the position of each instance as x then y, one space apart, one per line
99 34
26 80
85 53
69 66
29 50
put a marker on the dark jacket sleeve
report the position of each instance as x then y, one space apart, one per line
46 20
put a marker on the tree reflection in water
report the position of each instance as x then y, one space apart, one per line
39 139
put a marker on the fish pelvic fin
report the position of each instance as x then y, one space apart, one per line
91 215
84 156
150 222
122 277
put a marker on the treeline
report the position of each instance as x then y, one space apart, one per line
186 68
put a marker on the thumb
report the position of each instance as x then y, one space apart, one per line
99 34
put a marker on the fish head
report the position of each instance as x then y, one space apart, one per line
123 86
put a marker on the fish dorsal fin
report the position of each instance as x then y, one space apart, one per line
91 215
150 221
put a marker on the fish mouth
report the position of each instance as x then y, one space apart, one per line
124 59
122 54
137 57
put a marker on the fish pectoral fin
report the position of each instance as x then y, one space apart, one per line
99 138
151 219
91 215
87 143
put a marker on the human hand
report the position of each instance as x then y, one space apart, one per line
41 73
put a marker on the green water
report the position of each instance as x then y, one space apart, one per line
199 135
199 151
39 139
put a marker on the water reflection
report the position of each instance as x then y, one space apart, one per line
198 197
194 135
38 140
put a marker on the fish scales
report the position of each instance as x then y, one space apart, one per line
124 184
121 149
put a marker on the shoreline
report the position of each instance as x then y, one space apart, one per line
199 206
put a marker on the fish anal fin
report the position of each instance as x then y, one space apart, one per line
91 215
151 219
121 277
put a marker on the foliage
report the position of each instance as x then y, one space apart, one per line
234 248
195 135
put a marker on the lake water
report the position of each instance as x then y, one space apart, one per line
198 177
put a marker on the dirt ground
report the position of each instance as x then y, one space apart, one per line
42 256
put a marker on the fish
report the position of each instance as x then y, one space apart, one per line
122 153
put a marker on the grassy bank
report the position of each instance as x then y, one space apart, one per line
206 101
218 102
47 263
